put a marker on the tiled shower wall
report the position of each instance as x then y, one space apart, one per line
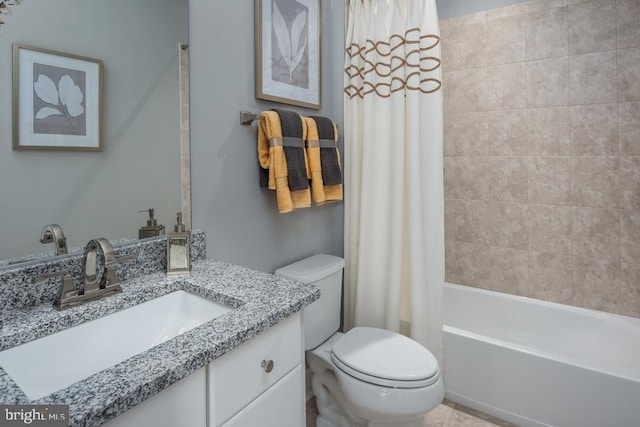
542 151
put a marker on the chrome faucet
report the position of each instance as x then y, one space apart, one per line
68 290
53 233
107 282
97 284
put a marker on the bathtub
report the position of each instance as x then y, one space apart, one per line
536 363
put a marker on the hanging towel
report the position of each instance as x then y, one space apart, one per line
324 160
280 152
294 132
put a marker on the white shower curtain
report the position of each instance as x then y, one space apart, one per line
394 204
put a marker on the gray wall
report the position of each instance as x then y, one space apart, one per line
452 8
241 220
97 193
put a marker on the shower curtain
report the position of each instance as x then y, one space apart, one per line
394 204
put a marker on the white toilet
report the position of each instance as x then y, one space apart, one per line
368 376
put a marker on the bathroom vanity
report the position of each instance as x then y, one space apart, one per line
243 368
238 389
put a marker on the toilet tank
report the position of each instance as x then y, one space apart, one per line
321 318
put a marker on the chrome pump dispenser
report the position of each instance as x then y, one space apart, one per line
178 249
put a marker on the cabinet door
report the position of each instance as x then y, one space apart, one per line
280 406
181 404
243 374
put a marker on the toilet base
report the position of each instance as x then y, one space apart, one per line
333 409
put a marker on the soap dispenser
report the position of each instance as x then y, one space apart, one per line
178 249
152 229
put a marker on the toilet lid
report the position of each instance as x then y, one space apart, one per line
386 358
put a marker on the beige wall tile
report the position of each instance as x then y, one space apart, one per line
597 284
543 162
507 133
449 135
628 16
506 40
509 225
536 5
630 129
550 229
506 11
470 19
465 47
594 130
450 206
507 86
474 263
447 35
492 178
548 82
630 236
593 78
595 181
466 134
474 175
510 271
629 75
510 179
445 26
546 33
550 180
630 182
465 90
452 272
551 277
572 2
592 27
596 233
549 131
450 180
473 221
630 290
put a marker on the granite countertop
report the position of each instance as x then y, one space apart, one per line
260 300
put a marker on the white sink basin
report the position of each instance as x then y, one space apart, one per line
56 361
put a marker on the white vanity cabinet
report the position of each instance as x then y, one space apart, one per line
181 404
260 382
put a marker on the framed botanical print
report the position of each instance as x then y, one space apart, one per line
288 52
57 100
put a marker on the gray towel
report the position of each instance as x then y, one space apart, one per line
331 173
293 147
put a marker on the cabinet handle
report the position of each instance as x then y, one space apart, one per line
267 365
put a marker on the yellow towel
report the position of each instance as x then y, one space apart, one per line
271 156
321 193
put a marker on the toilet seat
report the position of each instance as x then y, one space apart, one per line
384 358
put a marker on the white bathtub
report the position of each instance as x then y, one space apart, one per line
536 363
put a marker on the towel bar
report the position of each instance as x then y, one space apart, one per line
247 117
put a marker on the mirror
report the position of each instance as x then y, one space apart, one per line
94 194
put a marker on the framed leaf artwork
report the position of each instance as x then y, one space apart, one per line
288 52
57 100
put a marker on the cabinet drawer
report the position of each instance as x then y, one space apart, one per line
238 377
280 406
